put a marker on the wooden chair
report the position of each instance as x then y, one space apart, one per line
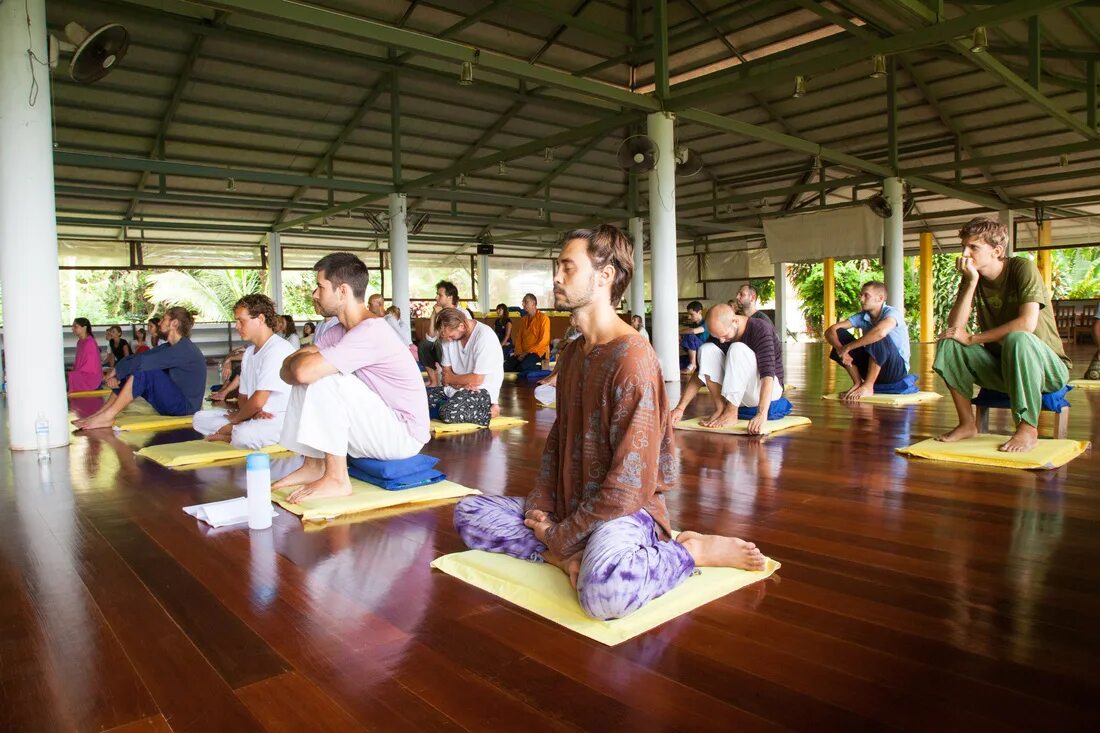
1084 327
1065 317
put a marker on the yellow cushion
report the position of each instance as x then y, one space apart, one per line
91 393
982 450
365 498
892 400
439 427
1085 384
152 422
199 452
545 590
511 376
741 427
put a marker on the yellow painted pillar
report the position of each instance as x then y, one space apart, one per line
927 314
829 317
1043 256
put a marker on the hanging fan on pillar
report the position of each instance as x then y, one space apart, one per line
688 162
95 54
637 154
882 208
417 222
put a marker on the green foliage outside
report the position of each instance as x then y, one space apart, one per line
765 288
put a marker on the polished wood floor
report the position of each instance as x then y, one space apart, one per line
913 595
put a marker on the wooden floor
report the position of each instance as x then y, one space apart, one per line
913 595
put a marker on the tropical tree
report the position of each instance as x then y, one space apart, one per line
210 294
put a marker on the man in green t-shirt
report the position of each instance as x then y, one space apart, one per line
1016 349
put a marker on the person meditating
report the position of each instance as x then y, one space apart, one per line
1016 348
357 391
473 370
693 335
262 394
741 364
118 347
748 303
597 509
881 355
171 377
531 339
87 373
430 350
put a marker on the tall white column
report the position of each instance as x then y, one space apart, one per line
637 283
399 256
662 244
29 276
275 269
483 283
781 302
893 244
1004 216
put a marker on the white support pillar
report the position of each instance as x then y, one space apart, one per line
1004 216
893 244
637 283
781 302
275 269
662 243
29 276
483 283
399 256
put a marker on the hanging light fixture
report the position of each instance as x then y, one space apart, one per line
548 155
1063 160
878 63
462 180
466 75
979 42
230 184
501 168
799 87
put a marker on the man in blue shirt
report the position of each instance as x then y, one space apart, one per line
881 355
171 377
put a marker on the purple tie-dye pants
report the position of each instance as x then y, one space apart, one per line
624 566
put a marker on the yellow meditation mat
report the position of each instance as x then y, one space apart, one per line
366 498
152 422
741 427
199 452
545 590
982 450
91 393
511 376
438 427
1085 384
891 400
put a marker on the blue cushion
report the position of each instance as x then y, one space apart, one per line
421 478
534 376
392 469
1052 401
905 386
778 409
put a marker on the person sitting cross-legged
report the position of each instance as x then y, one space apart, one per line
881 355
262 394
531 338
87 373
473 370
741 365
694 334
597 509
1016 349
171 377
357 391
430 350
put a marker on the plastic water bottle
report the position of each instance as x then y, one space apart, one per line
42 435
258 483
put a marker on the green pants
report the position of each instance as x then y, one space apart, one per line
1025 370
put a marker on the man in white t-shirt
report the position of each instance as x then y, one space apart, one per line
263 395
356 392
473 361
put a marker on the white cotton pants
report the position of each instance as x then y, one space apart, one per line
736 372
250 434
340 415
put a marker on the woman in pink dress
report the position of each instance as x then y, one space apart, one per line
87 374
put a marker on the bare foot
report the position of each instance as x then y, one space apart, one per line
1026 438
961 432
494 411
716 551
727 418
327 485
708 421
96 422
311 470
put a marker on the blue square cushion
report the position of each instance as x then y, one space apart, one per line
1052 401
535 375
412 480
905 386
392 469
778 409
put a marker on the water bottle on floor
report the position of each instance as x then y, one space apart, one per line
42 435
258 483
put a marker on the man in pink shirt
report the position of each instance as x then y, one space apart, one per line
357 391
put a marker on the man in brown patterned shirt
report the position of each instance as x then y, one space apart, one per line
597 510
